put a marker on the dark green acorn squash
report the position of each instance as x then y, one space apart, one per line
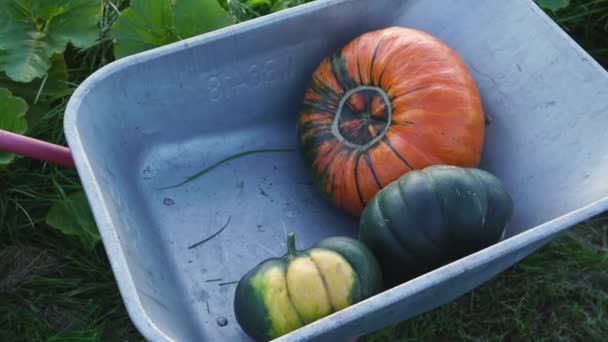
280 295
430 217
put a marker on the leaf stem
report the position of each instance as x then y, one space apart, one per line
232 157
212 236
41 87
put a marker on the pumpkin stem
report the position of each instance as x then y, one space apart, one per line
291 244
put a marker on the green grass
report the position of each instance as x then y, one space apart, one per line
587 22
52 287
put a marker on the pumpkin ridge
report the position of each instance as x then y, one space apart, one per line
357 159
394 98
389 60
315 142
323 175
295 308
336 73
361 260
386 65
388 224
388 143
424 232
439 198
371 65
483 188
382 74
323 280
314 127
333 182
326 153
322 89
307 303
359 283
311 106
430 154
489 197
399 54
358 64
338 68
404 123
368 162
246 289
258 284
322 256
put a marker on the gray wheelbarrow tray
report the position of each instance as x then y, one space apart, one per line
153 119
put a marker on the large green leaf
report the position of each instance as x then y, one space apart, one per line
553 5
12 118
41 92
33 31
73 216
193 17
53 85
149 24
143 26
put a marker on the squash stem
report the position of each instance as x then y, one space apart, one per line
291 244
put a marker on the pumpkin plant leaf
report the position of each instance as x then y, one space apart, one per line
553 5
195 17
73 216
271 6
33 31
12 119
51 86
257 3
143 26
41 92
224 4
150 24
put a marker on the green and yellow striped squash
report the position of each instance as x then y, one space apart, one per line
283 294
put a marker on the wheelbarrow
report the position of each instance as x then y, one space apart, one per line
155 118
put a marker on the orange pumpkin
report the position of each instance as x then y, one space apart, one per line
390 101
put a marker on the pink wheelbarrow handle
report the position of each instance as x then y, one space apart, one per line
35 149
